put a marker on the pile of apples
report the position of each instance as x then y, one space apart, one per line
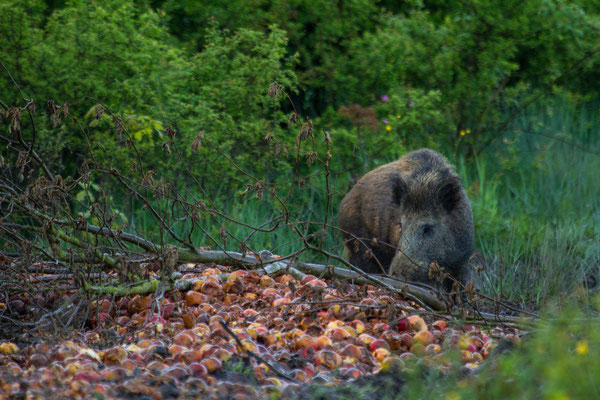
276 333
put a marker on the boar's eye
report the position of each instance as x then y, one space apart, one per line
427 230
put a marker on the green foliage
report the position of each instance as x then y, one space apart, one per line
479 57
20 26
482 56
191 20
229 81
319 33
450 69
109 50
541 367
121 55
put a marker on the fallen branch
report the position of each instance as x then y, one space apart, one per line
150 286
274 269
235 259
298 269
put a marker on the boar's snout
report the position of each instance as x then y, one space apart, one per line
423 240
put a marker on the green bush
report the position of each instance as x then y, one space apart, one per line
120 55
319 32
451 70
21 27
482 58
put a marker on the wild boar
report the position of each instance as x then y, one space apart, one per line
403 216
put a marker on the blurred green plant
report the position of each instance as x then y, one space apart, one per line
542 367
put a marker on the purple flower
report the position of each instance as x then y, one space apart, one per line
385 121
385 98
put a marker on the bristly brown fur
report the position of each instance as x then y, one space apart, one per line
417 212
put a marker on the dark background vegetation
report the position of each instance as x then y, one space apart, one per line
507 90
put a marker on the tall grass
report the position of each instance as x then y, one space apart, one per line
306 209
536 200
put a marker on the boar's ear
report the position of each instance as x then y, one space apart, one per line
398 188
449 193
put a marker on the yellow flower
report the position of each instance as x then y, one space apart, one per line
582 348
398 116
468 131
462 132
388 128
452 396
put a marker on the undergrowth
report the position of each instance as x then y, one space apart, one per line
536 204
535 200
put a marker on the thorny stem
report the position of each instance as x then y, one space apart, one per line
119 122
216 211
152 210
